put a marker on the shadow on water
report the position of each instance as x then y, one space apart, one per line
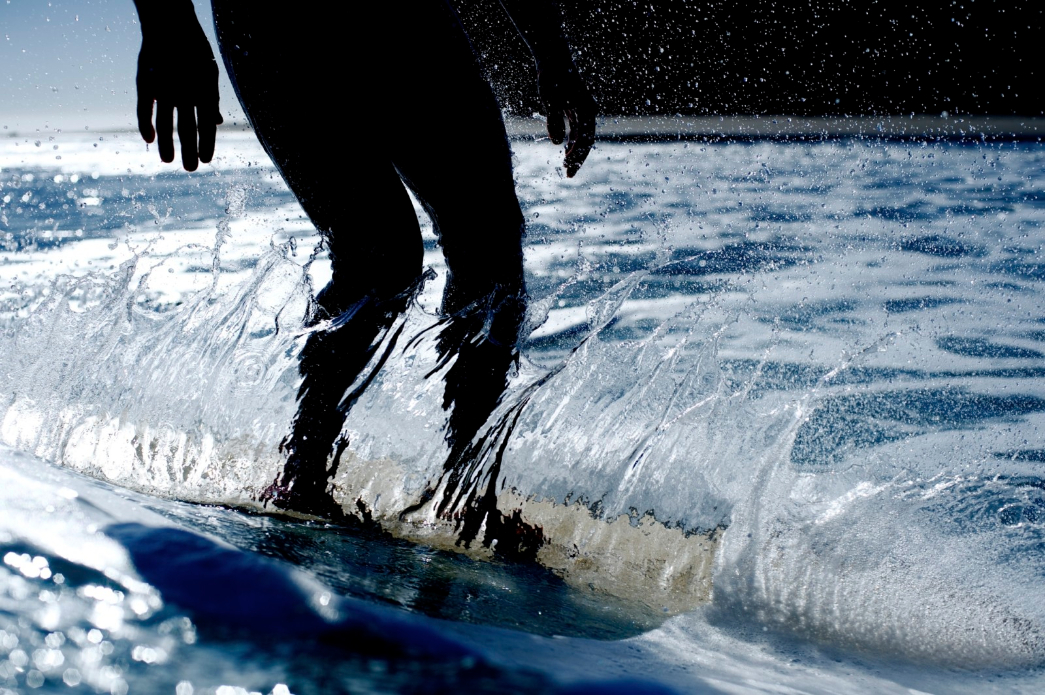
1033 455
979 347
935 244
842 424
736 259
902 306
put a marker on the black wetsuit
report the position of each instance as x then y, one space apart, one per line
347 125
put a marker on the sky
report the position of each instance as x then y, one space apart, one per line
71 64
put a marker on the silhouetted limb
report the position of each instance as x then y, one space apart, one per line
480 345
563 93
176 70
332 360
424 116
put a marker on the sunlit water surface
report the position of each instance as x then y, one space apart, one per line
832 351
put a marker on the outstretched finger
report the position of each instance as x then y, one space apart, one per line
165 129
582 138
209 120
145 116
146 96
208 134
187 137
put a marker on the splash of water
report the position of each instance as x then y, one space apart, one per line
655 463
158 400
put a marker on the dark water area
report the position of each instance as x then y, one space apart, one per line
374 566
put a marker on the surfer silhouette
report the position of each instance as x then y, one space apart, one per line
350 108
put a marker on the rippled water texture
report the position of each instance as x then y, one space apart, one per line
826 357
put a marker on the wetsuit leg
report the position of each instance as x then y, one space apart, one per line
287 67
447 139
460 169
360 316
282 65
420 103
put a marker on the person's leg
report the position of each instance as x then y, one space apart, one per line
422 103
360 316
283 67
461 171
445 135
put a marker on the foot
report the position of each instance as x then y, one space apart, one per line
293 496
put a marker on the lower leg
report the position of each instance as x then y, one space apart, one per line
332 362
372 282
372 233
468 190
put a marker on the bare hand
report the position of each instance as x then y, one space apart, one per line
565 97
176 70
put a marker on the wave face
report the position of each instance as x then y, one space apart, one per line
800 381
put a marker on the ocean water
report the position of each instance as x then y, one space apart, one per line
777 418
